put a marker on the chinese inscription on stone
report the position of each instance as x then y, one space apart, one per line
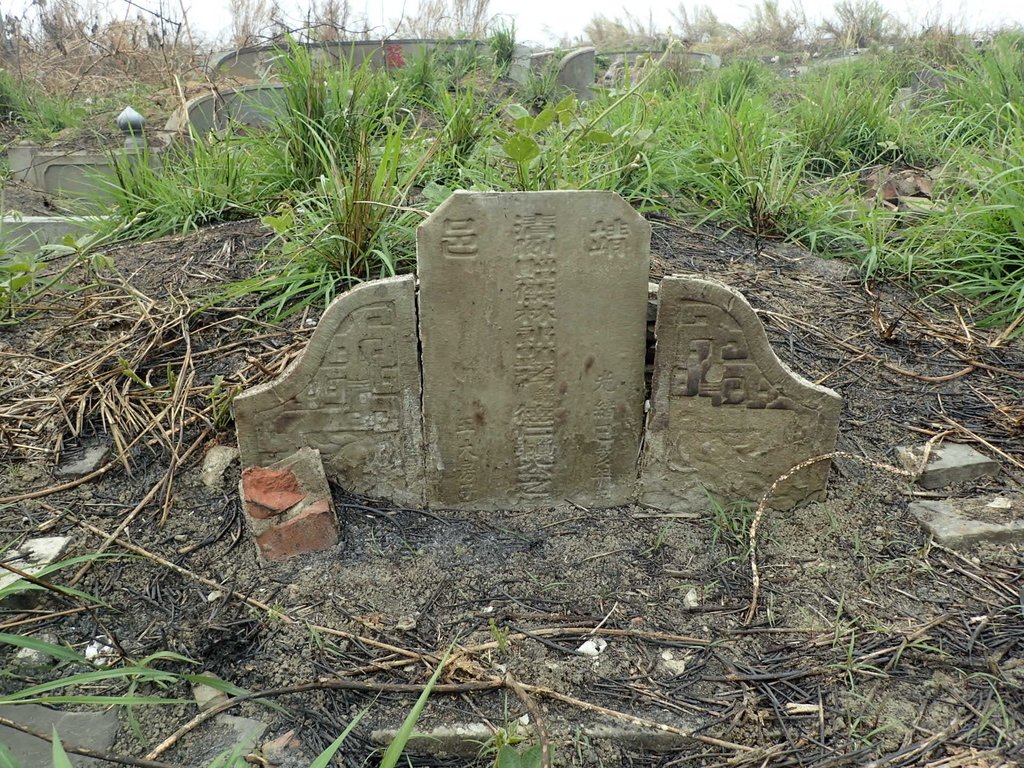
532 321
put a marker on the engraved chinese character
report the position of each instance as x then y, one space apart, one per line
459 240
534 237
609 239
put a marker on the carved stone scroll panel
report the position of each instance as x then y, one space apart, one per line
354 395
726 414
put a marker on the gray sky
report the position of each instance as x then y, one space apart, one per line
546 21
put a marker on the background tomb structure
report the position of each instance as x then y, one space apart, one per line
727 416
533 310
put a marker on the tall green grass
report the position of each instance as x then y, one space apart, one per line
347 171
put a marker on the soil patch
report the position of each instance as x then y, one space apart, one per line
869 643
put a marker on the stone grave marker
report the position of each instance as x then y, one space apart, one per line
726 414
354 395
532 321
577 70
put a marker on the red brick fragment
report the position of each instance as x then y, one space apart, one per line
312 530
269 492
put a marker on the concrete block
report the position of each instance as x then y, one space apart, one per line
963 523
948 463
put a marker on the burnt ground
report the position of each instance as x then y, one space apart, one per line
870 643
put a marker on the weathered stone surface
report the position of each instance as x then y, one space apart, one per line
289 507
228 736
84 462
577 70
354 395
532 316
948 463
726 414
962 523
91 730
215 464
31 556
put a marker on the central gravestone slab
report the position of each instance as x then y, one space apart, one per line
532 317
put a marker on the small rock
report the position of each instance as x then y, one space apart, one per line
948 464
91 460
215 464
30 659
277 751
593 647
31 556
691 600
206 696
671 664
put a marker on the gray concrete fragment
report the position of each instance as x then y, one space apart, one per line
727 416
962 523
533 319
459 740
215 464
948 463
90 730
354 394
207 696
229 735
32 556
85 462
30 659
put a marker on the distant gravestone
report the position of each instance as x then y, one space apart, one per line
726 414
354 395
577 71
532 320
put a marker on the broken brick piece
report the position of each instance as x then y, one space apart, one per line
312 530
270 492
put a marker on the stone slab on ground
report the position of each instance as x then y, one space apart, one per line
229 735
962 523
83 462
27 234
288 506
533 320
32 556
948 464
89 730
726 414
354 394
465 739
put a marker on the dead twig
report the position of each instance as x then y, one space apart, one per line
755 523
